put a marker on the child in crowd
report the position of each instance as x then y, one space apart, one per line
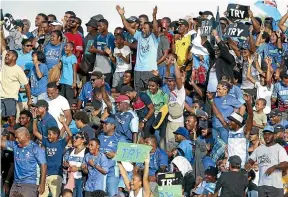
259 117
121 57
69 74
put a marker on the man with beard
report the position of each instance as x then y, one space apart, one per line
147 49
74 36
272 159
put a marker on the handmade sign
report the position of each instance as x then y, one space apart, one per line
237 11
167 179
132 152
170 191
237 30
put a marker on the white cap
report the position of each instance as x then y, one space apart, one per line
54 23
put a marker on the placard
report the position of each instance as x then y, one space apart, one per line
237 11
170 191
132 152
206 28
237 30
167 179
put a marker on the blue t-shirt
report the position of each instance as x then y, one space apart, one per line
157 159
185 149
236 92
67 69
26 160
23 58
47 122
226 106
89 131
38 85
270 50
96 180
54 153
280 92
146 59
53 54
162 71
110 144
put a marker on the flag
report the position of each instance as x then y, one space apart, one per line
270 8
219 30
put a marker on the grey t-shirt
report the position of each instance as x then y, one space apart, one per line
162 46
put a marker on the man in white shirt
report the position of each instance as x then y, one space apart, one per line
58 105
272 159
175 108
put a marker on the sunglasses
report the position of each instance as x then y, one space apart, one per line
92 80
72 21
76 137
29 45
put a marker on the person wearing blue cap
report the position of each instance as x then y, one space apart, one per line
108 146
272 159
184 147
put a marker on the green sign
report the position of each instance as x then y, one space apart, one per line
170 191
132 152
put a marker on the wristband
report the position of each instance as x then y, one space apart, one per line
144 120
211 101
6 181
35 119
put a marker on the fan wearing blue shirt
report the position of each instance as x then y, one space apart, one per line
95 164
54 148
108 146
27 156
184 147
43 121
147 45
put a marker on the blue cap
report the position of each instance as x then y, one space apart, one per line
268 129
109 120
182 131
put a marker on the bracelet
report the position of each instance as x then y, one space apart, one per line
211 101
35 119
6 181
144 120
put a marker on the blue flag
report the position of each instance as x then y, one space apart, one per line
219 30
270 8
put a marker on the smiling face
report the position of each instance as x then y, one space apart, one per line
24 119
93 147
136 182
221 91
153 87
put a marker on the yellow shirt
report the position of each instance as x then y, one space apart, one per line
285 183
11 79
181 47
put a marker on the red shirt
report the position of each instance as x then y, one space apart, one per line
78 42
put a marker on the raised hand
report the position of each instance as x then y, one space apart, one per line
250 60
154 12
250 13
268 60
214 33
247 97
62 118
120 10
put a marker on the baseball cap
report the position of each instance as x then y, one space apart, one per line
55 23
97 17
126 88
133 19
268 129
279 128
235 160
41 103
275 112
211 170
171 76
254 131
206 13
122 99
182 131
92 23
237 118
110 120
183 22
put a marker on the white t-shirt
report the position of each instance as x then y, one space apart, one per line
121 66
177 96
140 193
76 160
266 158
237 145
213 81
57 106
266 93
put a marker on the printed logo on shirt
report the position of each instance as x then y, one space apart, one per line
51 151
27 155
145 46
264 159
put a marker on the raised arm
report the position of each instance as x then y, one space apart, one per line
215 110
124 175
282 21
146 185
179 82
121 12
249 122
155 24
259 37
255 23
248 75
61 119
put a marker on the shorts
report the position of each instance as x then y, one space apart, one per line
8 107
24 189
269 191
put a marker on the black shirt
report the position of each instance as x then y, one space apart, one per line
233 184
